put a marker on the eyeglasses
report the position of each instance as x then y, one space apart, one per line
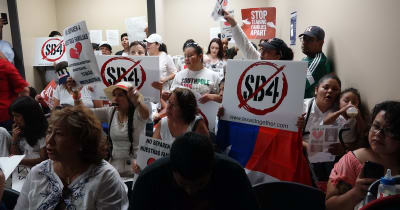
385 132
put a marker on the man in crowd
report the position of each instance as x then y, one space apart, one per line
312 41
193 177
105 48
125 45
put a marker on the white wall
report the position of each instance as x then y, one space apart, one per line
6 28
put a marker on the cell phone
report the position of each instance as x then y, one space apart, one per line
4 18
373 170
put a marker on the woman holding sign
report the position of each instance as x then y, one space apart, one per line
181 117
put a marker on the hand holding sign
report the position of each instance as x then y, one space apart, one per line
135 96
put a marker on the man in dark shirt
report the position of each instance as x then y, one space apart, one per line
193 177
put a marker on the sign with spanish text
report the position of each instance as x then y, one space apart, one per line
259 23
319 141
49 50
151 149
19 177
265 93
81 60
47 93
141 71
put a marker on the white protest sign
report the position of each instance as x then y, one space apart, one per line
96 36
217 13
135 27
142 71
47 93
151 149
320 139
208 111
81 60
226 29
19 177
49 50
8 164
112 37
264 93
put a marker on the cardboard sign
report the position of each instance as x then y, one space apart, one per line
217 13
151 149
49 50
320 139
142 71
19 177
259 23
81 60
265 93
47 93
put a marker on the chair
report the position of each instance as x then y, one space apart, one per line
386 203
288 195
10 198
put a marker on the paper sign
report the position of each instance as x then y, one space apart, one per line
208 111
81 60
217 13
112 37
19 177
142 71
135 27
96 36
320 138
226 29
47 93
49 50
8 164
151 149
293 25
264 93
259 23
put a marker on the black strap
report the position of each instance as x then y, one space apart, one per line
110 149
308 116
196 123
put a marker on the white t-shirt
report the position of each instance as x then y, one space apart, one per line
5 141
66 98
31 152
217 67
167 67
100 187
202 81
165 133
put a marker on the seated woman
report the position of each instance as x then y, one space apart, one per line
347 186
75 176
65 90
29 130
181 117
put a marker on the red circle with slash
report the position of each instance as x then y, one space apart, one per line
46 57
243 101
135 63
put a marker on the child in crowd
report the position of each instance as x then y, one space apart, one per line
351 117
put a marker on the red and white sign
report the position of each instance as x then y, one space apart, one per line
259 23
265 93
151 149
79 50
141 71
47 93
217 13
208 111
49 50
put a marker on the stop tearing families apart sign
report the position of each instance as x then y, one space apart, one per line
264 93
141 71
259 23
49 50
151 149
79 50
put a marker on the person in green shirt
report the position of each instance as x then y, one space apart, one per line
312 41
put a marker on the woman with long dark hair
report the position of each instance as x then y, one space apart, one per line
29 130
214 58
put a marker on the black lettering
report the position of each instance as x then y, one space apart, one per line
260 95
275 94
249 79
48 49
110 72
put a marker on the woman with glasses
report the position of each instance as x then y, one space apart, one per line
75 176
347 185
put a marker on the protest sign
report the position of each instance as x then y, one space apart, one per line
151 149
112 37
259 23
264 93
8 164
217 13
226 29
49 50
320 139
47 93
135 27
81 60
208 111
19 177
141 71
96 36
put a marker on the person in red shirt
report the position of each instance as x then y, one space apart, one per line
12 86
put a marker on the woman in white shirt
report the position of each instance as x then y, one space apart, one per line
214 58
75 176
29 130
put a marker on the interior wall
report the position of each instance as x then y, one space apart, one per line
6 28
36 19
361 36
